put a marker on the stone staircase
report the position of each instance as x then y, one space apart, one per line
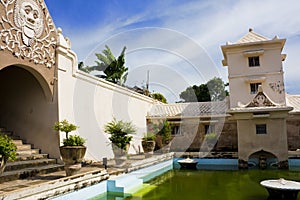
29 162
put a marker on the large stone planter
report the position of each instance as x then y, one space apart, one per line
120 155
72 157
148 147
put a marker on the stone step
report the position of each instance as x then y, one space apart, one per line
23 147
18 142
31 156
28 152
17 165
29 172
29 162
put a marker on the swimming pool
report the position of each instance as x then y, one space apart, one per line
166 181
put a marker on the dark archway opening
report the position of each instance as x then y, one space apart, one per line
25 110
263 160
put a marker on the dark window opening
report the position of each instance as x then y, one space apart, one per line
176 130
261 129
253 61
254 87
209 128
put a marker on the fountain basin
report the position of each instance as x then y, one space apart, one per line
282 189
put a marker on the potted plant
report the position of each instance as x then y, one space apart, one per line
163 136
120 138
148 144
211 139
7 151
73 149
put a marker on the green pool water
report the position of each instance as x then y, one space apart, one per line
215 185
208 185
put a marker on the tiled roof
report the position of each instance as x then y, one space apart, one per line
198 109
189 109
293 101
251 37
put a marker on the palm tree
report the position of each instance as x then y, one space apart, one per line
114 69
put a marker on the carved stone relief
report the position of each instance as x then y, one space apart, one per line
27 31
260 100
277 87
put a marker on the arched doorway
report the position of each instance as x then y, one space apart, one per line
26 110
263 159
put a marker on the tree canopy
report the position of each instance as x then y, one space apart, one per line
159 97
213 90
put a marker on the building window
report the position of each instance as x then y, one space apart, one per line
261 129
176 130
253 61
254 87
209 128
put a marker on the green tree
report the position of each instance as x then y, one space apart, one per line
216 89
114 69
213 90
159 97
196 94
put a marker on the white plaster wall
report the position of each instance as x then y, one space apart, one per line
90 103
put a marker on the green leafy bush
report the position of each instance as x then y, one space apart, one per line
210 136
74 140
149 137
120 131
65 126
165 131
7 147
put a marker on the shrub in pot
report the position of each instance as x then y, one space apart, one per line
7 151
163 136
73 149
120 138
211 140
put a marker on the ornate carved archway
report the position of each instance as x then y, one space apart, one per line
28 38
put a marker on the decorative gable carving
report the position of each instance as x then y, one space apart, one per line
27 31
260 100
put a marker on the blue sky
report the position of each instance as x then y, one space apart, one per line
177 41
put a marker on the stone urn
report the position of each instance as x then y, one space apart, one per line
148 147
72 156
120 155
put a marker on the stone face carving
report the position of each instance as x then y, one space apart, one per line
27 31
28 17
260 100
